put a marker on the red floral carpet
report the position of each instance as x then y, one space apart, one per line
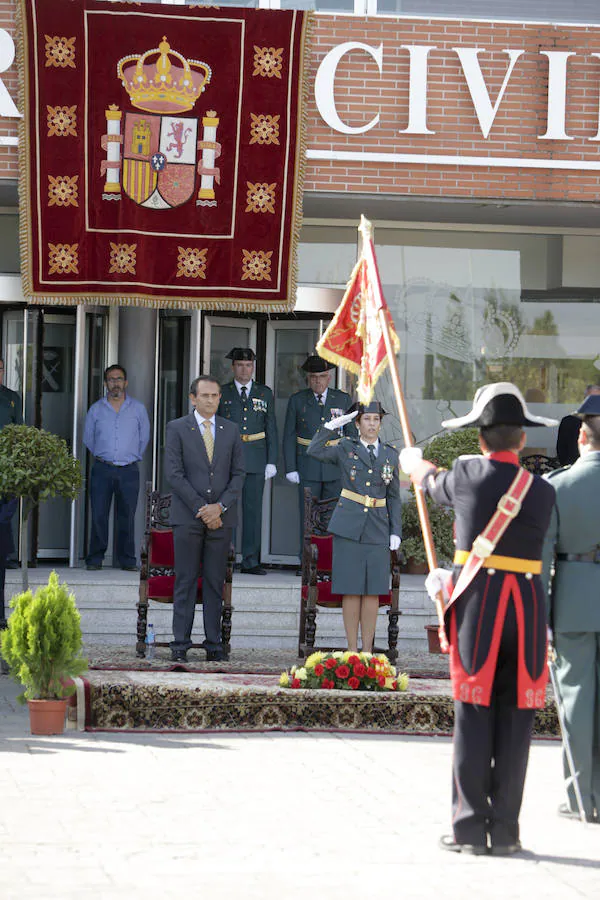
184 701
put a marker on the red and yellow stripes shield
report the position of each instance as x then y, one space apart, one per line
139 179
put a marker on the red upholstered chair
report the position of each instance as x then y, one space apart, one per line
316 579
157 574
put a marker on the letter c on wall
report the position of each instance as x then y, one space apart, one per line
325 80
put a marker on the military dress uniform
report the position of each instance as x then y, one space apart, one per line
573 545
303 418
10 407
255 417
367 513
496 629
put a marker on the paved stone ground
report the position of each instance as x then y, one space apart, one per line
122 657
262 817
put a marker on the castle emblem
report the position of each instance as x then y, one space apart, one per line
155 153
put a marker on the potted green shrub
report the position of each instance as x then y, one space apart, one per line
34 466
43 649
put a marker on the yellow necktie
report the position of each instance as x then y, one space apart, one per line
208 439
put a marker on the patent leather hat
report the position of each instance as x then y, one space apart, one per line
314 364
499 404
373 407
241 354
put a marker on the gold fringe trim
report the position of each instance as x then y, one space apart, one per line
283 305
302 99
25 238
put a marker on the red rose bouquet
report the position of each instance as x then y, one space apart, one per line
346 671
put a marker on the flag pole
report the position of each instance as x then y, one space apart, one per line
366 230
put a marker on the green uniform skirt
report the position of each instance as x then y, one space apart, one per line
359 568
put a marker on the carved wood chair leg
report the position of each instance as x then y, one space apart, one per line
226 628
393 632
310 628
142 624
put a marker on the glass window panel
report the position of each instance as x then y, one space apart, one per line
587 11
222 339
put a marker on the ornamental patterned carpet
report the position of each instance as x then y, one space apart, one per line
184 701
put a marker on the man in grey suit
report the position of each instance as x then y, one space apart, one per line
573 543
204 465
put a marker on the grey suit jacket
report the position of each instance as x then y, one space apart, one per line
574 594
194 480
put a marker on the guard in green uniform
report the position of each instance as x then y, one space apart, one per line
10 403
573 544
307 411
252 407
366 523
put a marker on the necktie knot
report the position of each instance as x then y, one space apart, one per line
320 399
244 392
371 449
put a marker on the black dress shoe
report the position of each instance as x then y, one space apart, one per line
178 656
253 570
92 568
130 569
506 849
447 842
216 656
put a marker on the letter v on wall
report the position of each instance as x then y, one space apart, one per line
469 60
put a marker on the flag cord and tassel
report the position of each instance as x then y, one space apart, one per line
366 230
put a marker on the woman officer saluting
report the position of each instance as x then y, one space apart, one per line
366 523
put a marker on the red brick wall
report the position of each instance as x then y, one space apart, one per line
8 155
361 92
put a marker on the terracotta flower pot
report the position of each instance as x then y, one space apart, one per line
416 568
47 716
433 638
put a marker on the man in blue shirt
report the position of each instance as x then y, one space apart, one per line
117 431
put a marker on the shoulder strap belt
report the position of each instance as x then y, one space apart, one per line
508 508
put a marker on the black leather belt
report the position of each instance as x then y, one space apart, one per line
593 556
114 465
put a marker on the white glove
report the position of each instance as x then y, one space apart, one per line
410 457
340 421
394 541
293 477
270 471
439 580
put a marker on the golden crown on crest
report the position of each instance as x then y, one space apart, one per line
169 84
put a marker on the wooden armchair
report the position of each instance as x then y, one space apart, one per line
538 464
317 555
157 574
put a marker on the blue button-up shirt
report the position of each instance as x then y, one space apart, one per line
117 437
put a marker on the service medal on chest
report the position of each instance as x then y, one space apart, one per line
353 473
387 471
258 405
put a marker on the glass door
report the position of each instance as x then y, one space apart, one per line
173 382
55 392
288 344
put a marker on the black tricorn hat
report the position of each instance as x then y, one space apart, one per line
498 404
313 364
241 354
373 407
589 407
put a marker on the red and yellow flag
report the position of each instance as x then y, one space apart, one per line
354 339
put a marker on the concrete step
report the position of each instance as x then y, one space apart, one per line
266 609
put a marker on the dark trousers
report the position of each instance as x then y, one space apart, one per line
199 550
122 482
322 490
491 749
252 498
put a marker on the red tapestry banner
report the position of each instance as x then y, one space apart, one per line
161 154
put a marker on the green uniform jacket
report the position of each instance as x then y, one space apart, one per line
372 525
10 407
303 418
574 596
255 415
